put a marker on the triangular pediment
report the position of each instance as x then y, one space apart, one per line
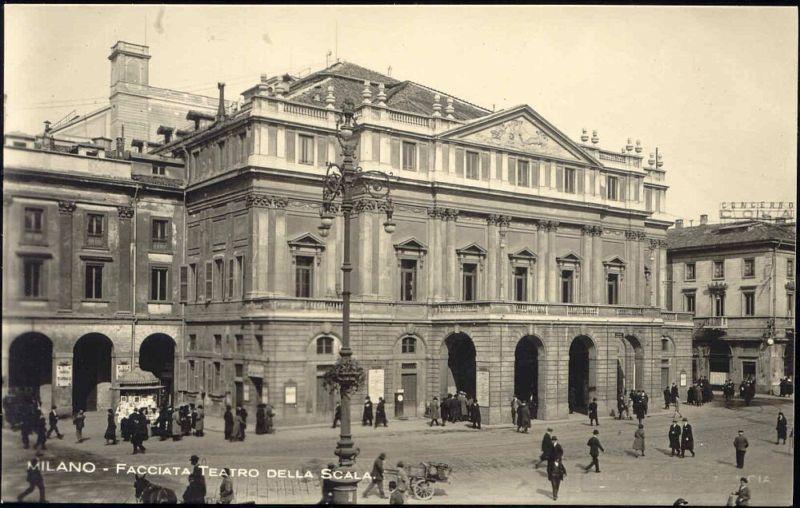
308 241
614 260
412 244
472 249
570 257
520 129
524 253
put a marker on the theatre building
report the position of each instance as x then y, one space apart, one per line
739 281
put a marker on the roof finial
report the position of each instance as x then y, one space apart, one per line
584 136
629 146
366 93
330 99
449 110
437 106
381 95
595 139
638 146
651 160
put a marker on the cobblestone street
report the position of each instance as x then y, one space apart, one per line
493 465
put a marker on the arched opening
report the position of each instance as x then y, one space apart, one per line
323 352
91 372
719 363
157 355
528 371
30 367
634 363
582 373
459 370
667 361
622 385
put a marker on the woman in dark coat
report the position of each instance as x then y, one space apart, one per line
380 413
269 415
228 417
781 428
366 416
687 438
261 419
523 417
111 429
638 439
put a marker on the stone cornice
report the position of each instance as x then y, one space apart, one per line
125 212
259 200
66 207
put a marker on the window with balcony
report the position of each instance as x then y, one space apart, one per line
612 188
523 173
718 305
569 180
473 166
306 149
303 276
520 284
230 279
93 281
469 274
567 286
409 345
409 156
689 302
160 233
325 345
612 289
159 279
95 230
749 303
33 286
218 343
408 280
719 269
749 268
690 271
33 225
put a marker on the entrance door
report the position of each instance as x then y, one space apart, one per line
409 384
325 402
665 376
239 392
748 369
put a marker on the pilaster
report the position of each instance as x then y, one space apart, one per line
597 265
588 259
541 263
125 274
66 211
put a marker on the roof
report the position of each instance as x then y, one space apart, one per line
714 235
138 377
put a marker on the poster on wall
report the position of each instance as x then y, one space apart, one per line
290 395
683 379
122 368
482 387
246 392
375 383
64 375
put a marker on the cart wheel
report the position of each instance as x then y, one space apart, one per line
422 489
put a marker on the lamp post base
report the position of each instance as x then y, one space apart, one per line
345 486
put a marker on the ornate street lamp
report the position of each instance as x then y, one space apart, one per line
352 186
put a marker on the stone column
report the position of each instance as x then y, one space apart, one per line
662 274
125 274
260 262
451 215
541 263
641 297
434 263
491 257
598 274
632 268
281 247
65 212
502 293
552 264
587 278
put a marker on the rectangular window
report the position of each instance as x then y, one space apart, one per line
303 276
688 302
648 199
718 305
260 343
159 231
566 286
749 268
408 280
240 266
32 278
218 343
520 284
193 281
790 268
93 289
790 304
159 170
473 165
230 279
523 173
749 301
184 290
219 279
690 273
612 286
470 282
569 180
612 188
209 280
719 269
95 230
239 343
192 342
306 149
33 220
409 156
158 284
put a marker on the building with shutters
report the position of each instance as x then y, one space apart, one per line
739 281
523 262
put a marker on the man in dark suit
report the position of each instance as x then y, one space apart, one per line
666 397
377 476
228 417
52 420
366 416
673 393
675 438
556 453
594 450
337 415
547 447
740 444
687 438
593 412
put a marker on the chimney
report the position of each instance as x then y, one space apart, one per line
165 131
221 107
678 223
121 143
703 220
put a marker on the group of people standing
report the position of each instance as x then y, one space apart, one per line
522 412
786 387
699 392
455 408
235 424
747 390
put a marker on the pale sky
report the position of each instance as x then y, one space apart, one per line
715 88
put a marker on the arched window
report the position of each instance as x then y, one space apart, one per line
325 345
409 345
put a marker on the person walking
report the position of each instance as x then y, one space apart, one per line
523 417
34 478
741 497
475 415
666 397
177 434
781 428
52 420
638 440
557 453
402 477
740 444
546 447
195 492
380 413
228 419
226 487
434 411
337 414
366 415
377 476
556 474
40 427
675 438
514 407
111 428
687 438
593 413
638 408
200 422
594 451
79 421
673 393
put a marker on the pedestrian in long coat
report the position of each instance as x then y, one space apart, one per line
238 424
200 424
366 415
176 426
243 414
261 419
41 432
435 412
475 415
675 438
380 413
547 448
195 492
455 409
514 407
111 429
638 439
523 417
445 407
781 428
79 422
228 418
687 438
666 398
556 473
462 401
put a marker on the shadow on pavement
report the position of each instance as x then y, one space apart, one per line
545 493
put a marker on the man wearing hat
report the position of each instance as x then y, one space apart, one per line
377 476
742 496
555 474
675 438
740 444
556 454
687 438
594 450
593 413
402 477
195 492
547 448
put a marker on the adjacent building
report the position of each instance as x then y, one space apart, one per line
739 281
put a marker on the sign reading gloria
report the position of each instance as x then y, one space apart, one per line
762 210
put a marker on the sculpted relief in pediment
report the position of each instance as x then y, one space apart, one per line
520 134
